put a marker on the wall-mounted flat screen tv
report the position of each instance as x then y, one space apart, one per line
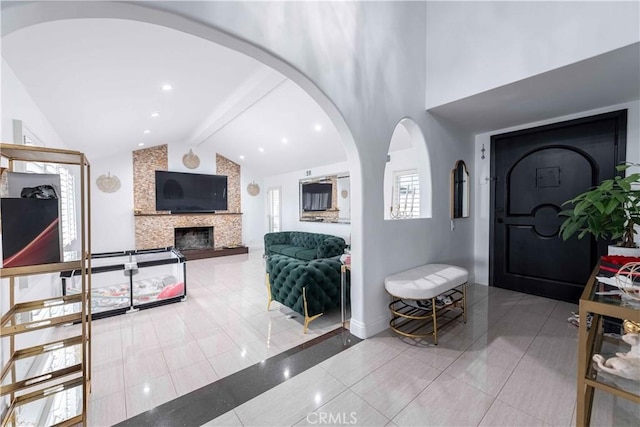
180 192
316 196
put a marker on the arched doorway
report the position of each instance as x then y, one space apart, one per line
24 15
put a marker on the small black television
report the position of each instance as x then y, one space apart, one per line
190 192
316 196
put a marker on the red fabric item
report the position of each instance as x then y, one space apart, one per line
619 259
611 264
171 291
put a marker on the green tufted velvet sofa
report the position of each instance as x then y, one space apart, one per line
293 282
303 245
303 271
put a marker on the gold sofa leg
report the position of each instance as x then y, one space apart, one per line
307 319
268 283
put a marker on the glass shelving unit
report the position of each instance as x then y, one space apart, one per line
598 300
47 384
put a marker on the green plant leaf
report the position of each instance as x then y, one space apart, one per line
611 206
606 185
580 207
599 205
605 210
626 186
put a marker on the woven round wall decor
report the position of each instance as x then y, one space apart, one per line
108 183
253 189
191 160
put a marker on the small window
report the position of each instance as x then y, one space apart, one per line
273 200
406 194
67 201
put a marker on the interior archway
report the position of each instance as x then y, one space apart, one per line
24 15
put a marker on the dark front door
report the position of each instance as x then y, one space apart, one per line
534 171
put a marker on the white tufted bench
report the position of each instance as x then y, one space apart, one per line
423 294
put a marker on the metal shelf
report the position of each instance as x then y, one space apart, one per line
591 341
59 405
45 363
31 270
41 154
34 315
48 384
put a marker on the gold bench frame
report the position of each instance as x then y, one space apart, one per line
408 319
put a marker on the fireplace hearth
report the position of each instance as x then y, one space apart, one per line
193 238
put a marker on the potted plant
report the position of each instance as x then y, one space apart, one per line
608 211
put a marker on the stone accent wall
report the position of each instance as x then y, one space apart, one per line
145 164
231 169
155 230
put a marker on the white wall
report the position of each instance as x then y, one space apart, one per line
290 193
365 64
112 221
476 46
481 185
344 198
18 105
254 210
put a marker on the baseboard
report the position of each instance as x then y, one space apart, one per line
362 330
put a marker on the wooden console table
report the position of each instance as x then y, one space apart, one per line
591 341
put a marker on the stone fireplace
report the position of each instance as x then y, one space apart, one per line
193 238
157 229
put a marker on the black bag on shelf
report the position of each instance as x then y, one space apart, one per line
39 192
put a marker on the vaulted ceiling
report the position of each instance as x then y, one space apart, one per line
98 82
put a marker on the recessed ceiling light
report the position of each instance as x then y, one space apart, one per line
167 87
261 150
155 114
318 127
140 144
285 140
241 157
147 131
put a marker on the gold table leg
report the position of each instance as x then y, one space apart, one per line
307 319
270 299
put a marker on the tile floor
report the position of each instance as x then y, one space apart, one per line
512 364
146 358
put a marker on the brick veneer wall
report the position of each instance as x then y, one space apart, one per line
145 163
231 169
155 229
